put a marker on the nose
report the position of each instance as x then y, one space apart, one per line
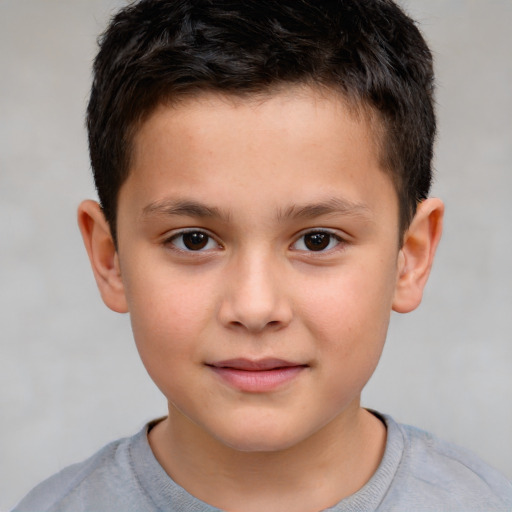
254 296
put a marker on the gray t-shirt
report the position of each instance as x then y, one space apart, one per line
417 473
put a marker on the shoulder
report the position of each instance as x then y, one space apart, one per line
445 476
124 475
106 477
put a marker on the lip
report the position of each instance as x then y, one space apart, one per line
257 376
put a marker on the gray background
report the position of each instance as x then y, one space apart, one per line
70 378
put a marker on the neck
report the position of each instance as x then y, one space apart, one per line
315 474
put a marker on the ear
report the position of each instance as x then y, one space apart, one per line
417 254
102 255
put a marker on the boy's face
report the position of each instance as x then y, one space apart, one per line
258 253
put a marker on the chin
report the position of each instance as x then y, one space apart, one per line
260 440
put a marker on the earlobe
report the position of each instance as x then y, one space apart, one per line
417 255
102 255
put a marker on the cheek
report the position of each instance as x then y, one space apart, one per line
349 330
349 314
169 312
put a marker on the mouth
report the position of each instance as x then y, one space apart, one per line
257 376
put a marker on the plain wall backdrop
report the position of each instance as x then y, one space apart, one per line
70 377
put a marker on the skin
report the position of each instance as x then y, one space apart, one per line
260 179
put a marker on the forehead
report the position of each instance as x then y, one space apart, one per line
305 107
291 146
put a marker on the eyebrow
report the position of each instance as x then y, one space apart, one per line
333 205
191 208
183 207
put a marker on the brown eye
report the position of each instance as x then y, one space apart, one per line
193 241
317 241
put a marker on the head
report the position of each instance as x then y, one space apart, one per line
368 51
259 165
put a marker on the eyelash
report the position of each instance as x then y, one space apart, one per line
208 239
322 232
177 236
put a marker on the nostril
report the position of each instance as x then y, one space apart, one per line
273 324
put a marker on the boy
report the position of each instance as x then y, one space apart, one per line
263 171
